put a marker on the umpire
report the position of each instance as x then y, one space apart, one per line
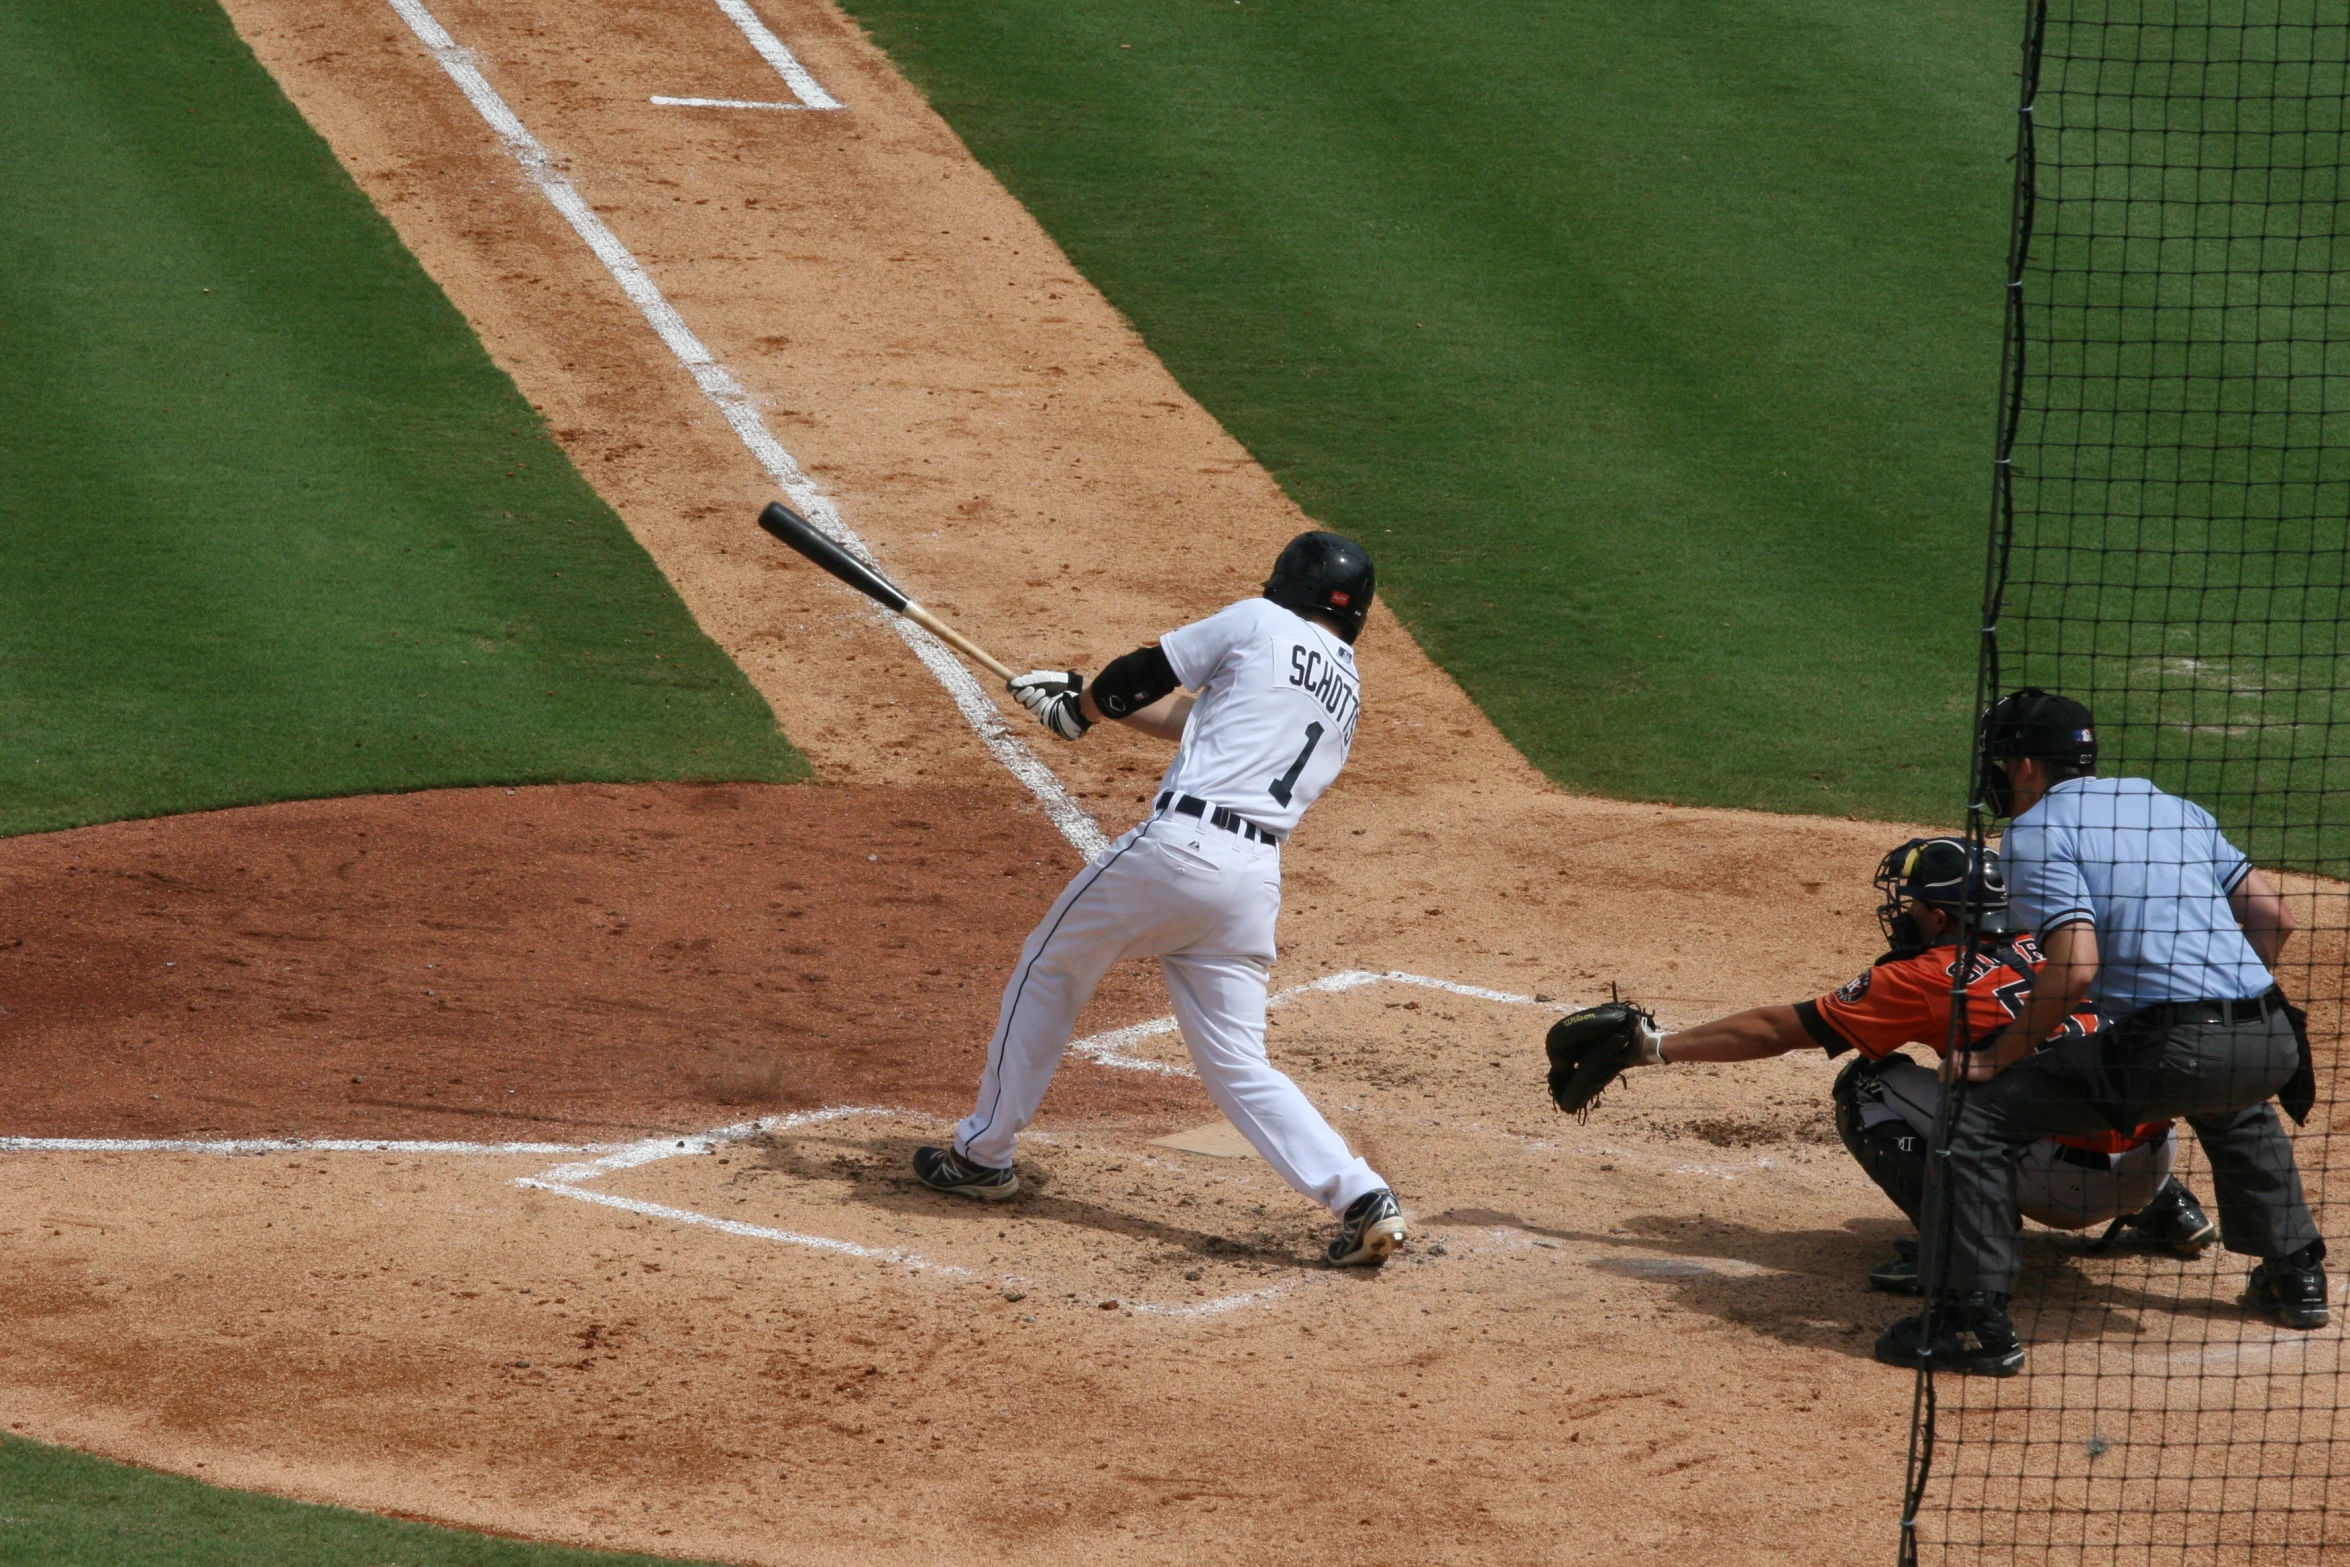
2146 910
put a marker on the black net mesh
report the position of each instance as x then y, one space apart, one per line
2171 545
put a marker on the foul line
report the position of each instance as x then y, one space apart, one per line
728 395
1110 1049
795 75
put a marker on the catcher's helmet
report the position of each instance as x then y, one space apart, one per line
1946 874
1327 573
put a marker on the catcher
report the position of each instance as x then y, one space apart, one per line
1885 1103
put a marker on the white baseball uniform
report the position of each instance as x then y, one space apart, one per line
1278 696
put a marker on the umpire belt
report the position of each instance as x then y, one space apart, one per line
1215 816
2171 1014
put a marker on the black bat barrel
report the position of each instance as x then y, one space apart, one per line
804 536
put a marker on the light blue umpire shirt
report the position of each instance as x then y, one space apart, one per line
2152 873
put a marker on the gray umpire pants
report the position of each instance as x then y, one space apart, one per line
2217 1077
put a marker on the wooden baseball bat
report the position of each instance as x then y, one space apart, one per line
804 536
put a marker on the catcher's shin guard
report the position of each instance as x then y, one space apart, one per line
1891 1150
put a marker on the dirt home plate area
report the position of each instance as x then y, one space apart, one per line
543 1151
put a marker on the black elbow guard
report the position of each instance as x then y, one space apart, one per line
1128 685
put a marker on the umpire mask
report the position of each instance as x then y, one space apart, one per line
1998 790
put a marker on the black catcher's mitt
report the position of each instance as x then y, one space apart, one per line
1589 1048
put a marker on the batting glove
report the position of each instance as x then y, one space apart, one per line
1051 694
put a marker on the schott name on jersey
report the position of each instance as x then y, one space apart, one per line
1328 682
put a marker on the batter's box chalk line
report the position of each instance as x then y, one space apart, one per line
566 1180
571 1179
1107 1049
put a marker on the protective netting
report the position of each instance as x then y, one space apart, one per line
2171 546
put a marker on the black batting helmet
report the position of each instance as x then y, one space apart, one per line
1944 873
1325 573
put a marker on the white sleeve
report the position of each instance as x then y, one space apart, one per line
1194 651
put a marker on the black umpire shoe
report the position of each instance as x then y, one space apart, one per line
1900 1276
2175 1221
1972 1337
2291 1290
944 1170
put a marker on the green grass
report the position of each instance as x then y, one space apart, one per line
1651 348
60 1508
271 523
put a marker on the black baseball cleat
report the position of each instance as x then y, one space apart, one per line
2175 1221
2291 1290
1900 1276
1368 1232
944 1170
1972 1337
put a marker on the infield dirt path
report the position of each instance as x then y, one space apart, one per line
1638 1340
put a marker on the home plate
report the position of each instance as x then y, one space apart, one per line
1217 1139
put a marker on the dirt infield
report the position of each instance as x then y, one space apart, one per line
1640 1339
1655 1319
534 964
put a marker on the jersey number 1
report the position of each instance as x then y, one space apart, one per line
1286 785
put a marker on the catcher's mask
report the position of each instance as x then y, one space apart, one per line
1327 573
2038 725
1945 874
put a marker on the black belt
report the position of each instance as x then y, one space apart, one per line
1215 816
2171 1014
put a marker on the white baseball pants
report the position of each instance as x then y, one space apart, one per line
1203 902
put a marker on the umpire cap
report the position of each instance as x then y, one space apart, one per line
1328 574
2042 726
1948 874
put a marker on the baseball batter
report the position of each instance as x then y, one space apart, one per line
1198 884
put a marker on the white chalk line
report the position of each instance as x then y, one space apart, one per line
728 395
564 1181
771 49
247 1145
757 1232
719 103
567 1180
1110 1049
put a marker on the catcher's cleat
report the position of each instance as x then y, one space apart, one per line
2291 1290
2175 1221
944 1170
1972 1337
1900 1276
1368 1232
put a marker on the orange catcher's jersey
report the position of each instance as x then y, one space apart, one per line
1904 999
